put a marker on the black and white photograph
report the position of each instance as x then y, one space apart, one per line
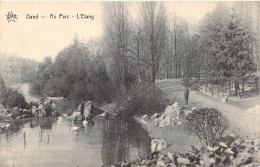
130 84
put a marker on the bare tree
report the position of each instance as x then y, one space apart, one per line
116 35
153 23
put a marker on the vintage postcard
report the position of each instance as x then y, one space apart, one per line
129 84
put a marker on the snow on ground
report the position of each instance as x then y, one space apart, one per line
241 123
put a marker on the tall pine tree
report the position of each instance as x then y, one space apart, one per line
238 52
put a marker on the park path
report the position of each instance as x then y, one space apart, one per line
240 122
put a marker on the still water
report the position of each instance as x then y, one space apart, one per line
49 142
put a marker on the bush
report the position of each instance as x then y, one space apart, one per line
11 98
208 124
240 152
142 99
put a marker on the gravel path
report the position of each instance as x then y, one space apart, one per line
240 122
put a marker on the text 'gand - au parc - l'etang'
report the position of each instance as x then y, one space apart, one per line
61 16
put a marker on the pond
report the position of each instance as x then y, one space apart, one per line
50 142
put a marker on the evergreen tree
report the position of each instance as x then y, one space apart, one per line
239 52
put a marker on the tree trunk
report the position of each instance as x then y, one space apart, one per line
257 85
206 84
243 87
230 85
236 88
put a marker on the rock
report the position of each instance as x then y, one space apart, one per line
4 127
103 114
158 145
16 112
171 165
170 156
144 116
161 157
160 163
9 115
212 149
155 115
34 111
41 110
257 108
28 113
229 151
212 160
143 121
126 164
76 116
87 108
223 144
193 108
183 161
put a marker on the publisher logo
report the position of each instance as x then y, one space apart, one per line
11 17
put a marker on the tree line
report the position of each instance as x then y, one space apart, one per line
222 49
134 50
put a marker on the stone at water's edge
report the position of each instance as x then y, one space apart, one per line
76 116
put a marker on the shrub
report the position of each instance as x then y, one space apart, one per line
241 152
208 124
12 98
142 99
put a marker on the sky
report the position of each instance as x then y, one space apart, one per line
37 38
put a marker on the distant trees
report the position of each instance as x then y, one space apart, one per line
44 73
11 98
76 74
157 42
134 49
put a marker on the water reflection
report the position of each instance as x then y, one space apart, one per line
50 142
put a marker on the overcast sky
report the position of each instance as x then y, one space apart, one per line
35 39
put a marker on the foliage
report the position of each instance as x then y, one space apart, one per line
226 42
44 73
77 73
11 98
141 99
208 124
235 152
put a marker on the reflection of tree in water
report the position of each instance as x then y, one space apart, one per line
119 141
44 123
138 138
114 142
